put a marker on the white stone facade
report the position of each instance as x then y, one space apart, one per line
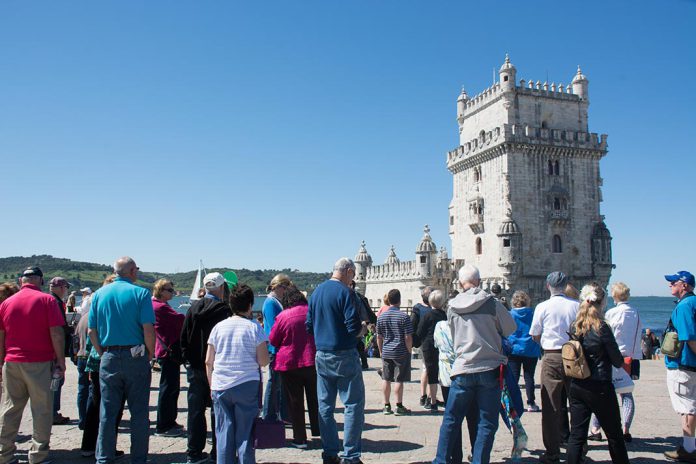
430 268
526 195
526 185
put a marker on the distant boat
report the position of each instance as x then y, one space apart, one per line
196 287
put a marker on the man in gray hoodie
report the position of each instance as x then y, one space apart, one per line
478 322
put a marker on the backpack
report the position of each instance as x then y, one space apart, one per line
574 362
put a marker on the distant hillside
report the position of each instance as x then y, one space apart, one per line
82 274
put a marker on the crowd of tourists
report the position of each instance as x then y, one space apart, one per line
475 346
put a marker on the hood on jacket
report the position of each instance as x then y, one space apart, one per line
469 301
208 307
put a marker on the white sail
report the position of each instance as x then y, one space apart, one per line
197 283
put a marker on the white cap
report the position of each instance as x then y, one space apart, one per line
213 280
86 290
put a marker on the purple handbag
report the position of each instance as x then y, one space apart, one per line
267 434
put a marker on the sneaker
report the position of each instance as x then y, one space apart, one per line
595 436
387 410
87 453
401 410
423 399
60 419
546 459
202 459
441 403
533 408
173 432
433 408
299 444
681 455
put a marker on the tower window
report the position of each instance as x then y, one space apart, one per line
550 168
506 243
556 203
505 78
451 220
479 246
556 169
477 174
544 125
557 246
422 259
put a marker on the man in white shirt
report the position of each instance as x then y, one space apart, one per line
550 327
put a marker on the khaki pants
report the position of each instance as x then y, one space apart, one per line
553 384
22 382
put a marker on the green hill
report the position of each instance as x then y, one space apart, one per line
82 274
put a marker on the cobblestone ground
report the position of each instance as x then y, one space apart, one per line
386 439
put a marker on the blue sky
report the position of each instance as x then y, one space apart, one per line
281 134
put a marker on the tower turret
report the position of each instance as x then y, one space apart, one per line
391 258
425 253
508 75
580 85
362 261
461 107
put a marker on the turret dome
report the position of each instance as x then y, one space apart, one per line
463 96
507 66
363 257
426 245
391 258
579 76
508 227
600 230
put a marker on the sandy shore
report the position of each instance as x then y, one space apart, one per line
386 439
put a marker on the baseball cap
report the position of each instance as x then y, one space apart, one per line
213 280
557 279
59 282
32 271
86 290
684 276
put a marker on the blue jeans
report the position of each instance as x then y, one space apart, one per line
235 411
272 401
339 372
484 388
82 390
122 375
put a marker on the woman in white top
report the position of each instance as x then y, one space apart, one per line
624 321
236 352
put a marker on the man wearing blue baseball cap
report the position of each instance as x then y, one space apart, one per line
681 370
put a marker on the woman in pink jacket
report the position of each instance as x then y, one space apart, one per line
295 362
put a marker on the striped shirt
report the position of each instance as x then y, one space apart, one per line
394 325
235 340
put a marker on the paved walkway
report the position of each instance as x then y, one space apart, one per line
389 439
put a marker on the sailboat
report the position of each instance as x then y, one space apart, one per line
196 287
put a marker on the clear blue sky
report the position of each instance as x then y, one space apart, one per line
281 134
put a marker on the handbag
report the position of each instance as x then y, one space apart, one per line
621 380
267 434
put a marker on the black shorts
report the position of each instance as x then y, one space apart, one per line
400 367
432 365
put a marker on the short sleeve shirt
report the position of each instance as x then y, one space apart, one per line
394 325
118 312
683 319
235 340
26 318
552 320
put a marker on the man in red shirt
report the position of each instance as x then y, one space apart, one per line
31 350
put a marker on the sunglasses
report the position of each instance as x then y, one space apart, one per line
170 290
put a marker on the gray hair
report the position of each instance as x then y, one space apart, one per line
469 273
425 294
33 279
343 265
437 299
124 265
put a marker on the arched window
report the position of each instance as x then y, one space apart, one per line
550 168
479 246
477 174
482 136
556 169
544 125
557 247
556 203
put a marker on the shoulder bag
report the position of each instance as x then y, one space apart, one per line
267 433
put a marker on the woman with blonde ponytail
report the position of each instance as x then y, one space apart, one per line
595 394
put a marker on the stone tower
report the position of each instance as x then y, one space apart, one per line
526 185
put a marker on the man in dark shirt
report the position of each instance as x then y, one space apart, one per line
59 288
417 313
395 340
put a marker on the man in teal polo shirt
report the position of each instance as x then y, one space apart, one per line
121 328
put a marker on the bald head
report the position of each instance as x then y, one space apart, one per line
126 267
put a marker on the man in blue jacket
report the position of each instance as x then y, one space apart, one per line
336 325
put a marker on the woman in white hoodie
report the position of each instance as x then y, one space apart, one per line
624 321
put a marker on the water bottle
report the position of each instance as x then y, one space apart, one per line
55 379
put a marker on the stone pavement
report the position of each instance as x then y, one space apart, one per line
387 439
